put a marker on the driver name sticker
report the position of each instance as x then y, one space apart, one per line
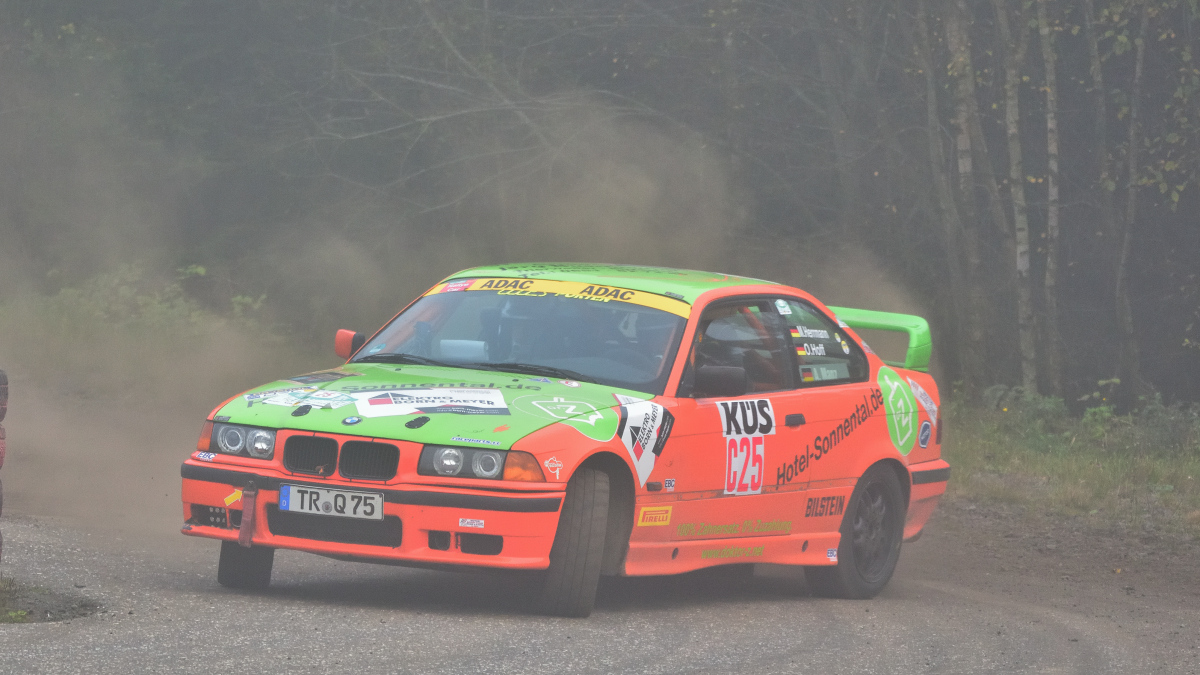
745 425
431 401
643 428
568 289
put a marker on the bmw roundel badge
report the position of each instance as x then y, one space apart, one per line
351 420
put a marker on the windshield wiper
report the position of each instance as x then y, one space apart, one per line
532 369
405 358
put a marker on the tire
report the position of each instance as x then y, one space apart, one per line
245 568
569 585
872 531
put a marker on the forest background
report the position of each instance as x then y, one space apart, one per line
1023 173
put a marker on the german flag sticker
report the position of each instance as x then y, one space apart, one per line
800 351
806 374
795 333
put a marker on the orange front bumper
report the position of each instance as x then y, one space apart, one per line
422 525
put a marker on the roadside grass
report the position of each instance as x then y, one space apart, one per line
1137 471
8 612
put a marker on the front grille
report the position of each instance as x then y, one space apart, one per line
310 454
387 532
480 544
369 461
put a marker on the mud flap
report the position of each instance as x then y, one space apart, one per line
249 499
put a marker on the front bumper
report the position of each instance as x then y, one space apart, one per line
423 525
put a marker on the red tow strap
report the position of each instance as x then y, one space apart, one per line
249 495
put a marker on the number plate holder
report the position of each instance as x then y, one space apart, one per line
331 502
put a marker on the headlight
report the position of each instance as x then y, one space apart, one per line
446 460
487 464
233 439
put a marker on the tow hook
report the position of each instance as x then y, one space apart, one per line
249 497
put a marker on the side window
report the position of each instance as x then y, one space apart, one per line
748 335
824 353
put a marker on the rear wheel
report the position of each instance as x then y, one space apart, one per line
569 585
872 531
246 568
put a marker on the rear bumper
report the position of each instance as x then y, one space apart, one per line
928 485
517 528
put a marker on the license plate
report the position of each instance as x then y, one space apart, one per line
327 502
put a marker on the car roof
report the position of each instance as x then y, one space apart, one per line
688 284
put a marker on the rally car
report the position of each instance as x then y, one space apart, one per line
581 420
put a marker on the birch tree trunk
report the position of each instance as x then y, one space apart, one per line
1015 47
962 72
1104 161
1052 342
1128 367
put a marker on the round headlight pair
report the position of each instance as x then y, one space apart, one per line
235 440
484 463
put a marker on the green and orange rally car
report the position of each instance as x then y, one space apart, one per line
584 420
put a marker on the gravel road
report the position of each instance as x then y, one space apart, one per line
985 590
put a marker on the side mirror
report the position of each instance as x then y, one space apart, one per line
347 342
720 381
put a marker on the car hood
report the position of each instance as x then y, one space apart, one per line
427 404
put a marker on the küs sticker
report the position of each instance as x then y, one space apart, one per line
901 408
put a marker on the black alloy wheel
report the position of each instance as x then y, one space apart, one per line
872 531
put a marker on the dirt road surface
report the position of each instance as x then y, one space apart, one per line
985 590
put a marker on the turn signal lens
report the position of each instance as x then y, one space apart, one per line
523 466
205 437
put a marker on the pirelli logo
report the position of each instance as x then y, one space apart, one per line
651 516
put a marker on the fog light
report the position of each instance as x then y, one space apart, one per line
448 461
487 464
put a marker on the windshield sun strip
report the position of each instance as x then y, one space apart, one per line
569 289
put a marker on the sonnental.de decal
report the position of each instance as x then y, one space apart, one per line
745 426
824 444
643 428
431 401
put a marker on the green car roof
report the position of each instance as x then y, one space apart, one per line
687 284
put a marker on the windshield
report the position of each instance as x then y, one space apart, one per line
558 335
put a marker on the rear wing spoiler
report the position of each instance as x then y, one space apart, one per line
920 344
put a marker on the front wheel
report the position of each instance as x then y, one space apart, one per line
245 568
569 585
872 530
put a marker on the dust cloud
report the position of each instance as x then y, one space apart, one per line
113 366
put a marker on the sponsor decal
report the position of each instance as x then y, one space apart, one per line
470 522
473 440
842 323
901 408
354 389
745 426
831 553
654 516
598 424
554 466
783 308
926 401
455 286
733 552
569 383
543 380
845 347
568 289
233 498
292 397
669 484
747 527
924 434
867 348
643 428
206 456
350 421
376 348
431 401
805 332
502 427
321 376
221 418
823 445
819 507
